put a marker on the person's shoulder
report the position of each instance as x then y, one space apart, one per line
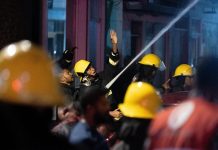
161 118
80 126
206 107
203 103
80 133
165 112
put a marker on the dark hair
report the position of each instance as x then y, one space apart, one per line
146 73
207 77
146 70
90 96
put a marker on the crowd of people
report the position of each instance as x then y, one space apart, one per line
41 108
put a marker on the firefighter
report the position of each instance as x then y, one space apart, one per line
182 79
178 87
67 57
140 105
88 76
66 77
148 67
194 123
29 90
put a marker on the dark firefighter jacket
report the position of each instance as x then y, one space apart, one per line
110 71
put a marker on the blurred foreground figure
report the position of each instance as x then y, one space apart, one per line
94 107
89 77
140 105
194 123
28 91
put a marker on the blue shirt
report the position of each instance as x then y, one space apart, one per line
85 137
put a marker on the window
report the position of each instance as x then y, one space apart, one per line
56 27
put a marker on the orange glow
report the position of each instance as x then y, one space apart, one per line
16 85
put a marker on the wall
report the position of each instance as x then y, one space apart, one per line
20 20
86 30
203 34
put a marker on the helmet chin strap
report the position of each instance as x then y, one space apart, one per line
90 77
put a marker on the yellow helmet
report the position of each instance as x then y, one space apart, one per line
183 70
26 76
151 60
141 101
81 66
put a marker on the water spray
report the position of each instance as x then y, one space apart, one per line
161 33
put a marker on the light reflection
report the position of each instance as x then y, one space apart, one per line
25 45
11 50
16 85
139 84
